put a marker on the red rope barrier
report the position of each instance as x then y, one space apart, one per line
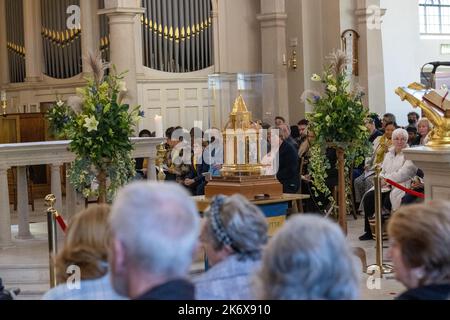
409 191
61 222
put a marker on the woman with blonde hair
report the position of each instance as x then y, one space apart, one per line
420 242
85 251
424 127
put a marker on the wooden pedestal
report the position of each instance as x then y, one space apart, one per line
250 187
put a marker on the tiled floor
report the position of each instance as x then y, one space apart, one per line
35 252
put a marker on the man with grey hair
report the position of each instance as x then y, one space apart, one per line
308 259
155 230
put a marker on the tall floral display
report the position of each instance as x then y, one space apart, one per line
99 126
337 121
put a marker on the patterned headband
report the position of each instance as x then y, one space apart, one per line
216 222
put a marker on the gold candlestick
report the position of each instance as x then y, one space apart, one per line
161 155
4 106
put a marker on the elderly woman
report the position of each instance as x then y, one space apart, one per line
308 259
86 248
396 168
420 242
233 236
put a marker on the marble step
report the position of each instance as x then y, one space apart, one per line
32 280
24 273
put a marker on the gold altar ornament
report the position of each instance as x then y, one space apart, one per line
436 108
160 157
242 171
242 155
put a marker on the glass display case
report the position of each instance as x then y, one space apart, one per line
257 90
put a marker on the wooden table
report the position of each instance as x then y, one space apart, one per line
275 220
203 203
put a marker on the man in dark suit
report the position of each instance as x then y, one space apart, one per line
288 171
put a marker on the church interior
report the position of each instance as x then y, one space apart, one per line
255 112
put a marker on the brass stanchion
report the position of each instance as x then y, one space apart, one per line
379 267
341 185
160 157
52 237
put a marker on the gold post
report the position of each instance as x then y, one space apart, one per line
379 267
378 226
52 237
341 186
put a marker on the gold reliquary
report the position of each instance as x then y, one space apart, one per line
242 171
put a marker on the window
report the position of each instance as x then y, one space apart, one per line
434 16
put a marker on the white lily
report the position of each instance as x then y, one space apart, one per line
91 124
332 88
60 103
122 86
316 78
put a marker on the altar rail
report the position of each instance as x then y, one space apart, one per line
55 154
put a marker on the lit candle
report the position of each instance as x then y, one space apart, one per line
198 124
3 96
159 127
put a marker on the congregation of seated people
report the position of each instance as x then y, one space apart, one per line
193 172
145 248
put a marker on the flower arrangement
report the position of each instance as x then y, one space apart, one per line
99 126
337 121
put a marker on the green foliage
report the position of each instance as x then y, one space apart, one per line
59 116
99 134
337 121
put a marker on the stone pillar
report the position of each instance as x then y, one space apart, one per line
90 31
56 185
22 204
273 32
435 164
371 63
5 213
33 40
123 16
71 198
4 64
151 170
218 65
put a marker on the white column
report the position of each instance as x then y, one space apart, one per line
273 44
90 31
4 64
33 40
123 44
22 204
71 199
151 169
219 60
371 62
56 185
5 213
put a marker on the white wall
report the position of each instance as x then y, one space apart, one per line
405 52
295 77
240 36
